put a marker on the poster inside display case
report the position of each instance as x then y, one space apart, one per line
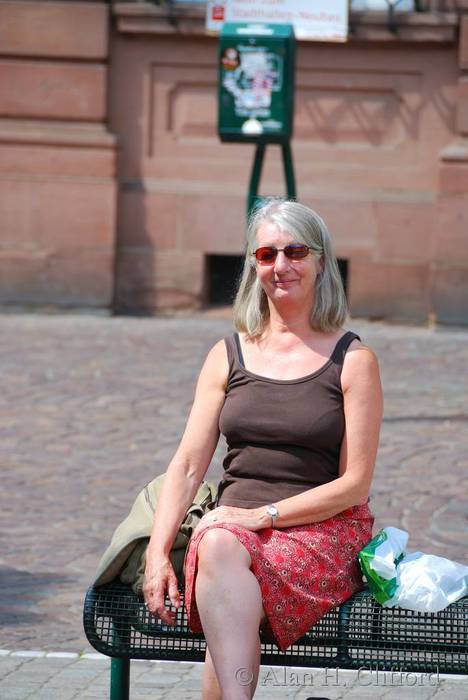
256 82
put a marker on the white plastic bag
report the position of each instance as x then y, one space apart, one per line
417 581
428 583
388 551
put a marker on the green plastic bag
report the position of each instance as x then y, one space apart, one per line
379 559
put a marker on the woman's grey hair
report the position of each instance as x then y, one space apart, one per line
251 311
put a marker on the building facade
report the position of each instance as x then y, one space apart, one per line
116 193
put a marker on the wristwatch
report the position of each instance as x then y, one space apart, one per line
273 512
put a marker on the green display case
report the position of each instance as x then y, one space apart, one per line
256 83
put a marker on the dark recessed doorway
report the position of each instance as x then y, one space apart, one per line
222 275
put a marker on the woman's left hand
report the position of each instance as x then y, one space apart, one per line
250 518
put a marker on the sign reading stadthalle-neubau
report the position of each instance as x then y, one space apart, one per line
319 20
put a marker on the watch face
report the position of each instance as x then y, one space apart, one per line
273 511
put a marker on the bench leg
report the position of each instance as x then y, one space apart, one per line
343 656
120 679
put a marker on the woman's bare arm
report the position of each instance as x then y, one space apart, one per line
184 475
193 456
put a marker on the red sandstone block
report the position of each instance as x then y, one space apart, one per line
215 224
55 29
29 147
352 224
463 43
148 219
182 272
451 231
145 277
380 290
167 300
450 294
56 133
38 160
82 279
405 231
462 106
55 90
54 218
453 177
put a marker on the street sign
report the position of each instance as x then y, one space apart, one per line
316 20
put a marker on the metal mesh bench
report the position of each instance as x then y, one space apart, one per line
360 633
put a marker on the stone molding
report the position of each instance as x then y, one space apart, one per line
49 29
56 134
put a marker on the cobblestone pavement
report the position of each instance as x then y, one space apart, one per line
83 678
91 408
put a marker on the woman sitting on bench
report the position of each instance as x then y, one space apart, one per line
299 401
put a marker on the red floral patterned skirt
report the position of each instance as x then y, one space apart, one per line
303 571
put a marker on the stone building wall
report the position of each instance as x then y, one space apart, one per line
57 157
373 122
380 150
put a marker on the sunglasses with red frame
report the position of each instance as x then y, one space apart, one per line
266 255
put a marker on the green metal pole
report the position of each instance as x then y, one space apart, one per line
255 176
120 668
120 679
289 170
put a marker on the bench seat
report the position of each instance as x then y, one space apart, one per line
359 634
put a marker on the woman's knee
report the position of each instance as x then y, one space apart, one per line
220 549
219 552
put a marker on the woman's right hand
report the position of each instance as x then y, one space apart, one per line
159 578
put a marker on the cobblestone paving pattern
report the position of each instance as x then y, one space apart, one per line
78 678
91 408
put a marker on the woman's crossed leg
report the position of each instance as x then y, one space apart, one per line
229 603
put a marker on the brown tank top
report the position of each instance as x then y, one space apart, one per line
283 435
